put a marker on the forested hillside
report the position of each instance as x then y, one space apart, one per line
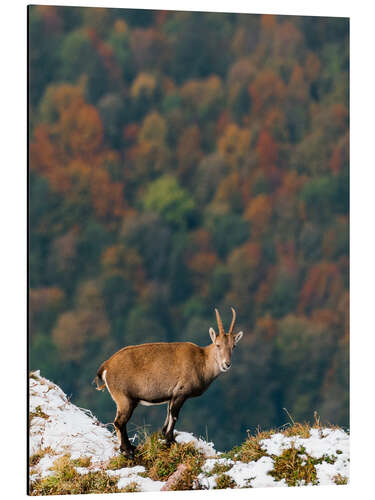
184 161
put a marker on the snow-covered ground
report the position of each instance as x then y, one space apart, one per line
58 427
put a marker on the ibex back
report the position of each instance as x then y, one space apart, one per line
161 372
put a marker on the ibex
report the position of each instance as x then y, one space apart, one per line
163 372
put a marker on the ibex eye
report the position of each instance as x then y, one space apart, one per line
217 345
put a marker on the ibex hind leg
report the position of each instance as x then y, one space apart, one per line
125 408
168 417
174 408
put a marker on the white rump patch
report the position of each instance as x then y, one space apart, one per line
105 380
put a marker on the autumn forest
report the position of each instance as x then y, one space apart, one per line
182 161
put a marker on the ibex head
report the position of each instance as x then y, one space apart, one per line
224 342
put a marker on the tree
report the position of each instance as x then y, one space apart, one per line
168 199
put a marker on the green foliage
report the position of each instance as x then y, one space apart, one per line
168 199
76 54
183 161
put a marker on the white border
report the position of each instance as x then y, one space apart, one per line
13 232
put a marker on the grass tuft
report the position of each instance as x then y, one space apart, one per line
219 468
223 481
38 413
340 480
161 460
67 481
82 462
132 487
119 462
36 457
296 467
250 450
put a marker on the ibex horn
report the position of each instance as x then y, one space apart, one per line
219 323
233 321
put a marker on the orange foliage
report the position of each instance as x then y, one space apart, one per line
268 22
312 66
188 149
106 54
267 149
201 266
107 196
290 184
234 144
265 287
267 327
258 213
144 84
43 298
267 89
71 155
204 92
298 88
323 285
82 129
222 122
119 260
229 190
203 263
154 129
202 240
87 322
131 132
288 40
241 72
274 122
64 248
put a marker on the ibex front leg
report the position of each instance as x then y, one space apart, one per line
174 408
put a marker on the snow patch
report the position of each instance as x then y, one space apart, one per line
207 449
57 428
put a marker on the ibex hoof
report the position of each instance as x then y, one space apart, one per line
170 441
128 452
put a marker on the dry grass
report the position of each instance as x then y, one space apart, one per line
38 413
219 468
293 466
161 460
340 480
119 462
36 457
82 462
131 488
251 449
67 481
223 481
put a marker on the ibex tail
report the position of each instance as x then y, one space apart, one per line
98 380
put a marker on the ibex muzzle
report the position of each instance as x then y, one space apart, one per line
161 372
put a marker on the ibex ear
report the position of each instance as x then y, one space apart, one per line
237 337
212 334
